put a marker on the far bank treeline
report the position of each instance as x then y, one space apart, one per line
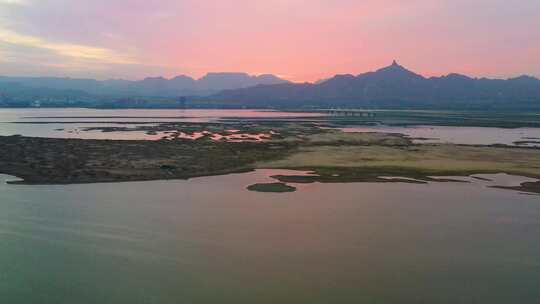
392 87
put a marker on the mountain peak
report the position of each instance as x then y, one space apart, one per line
395 66
396 70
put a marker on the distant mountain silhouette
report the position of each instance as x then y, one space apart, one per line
224 81
211 83
390 87
393 86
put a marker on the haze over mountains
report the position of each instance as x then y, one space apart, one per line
393 86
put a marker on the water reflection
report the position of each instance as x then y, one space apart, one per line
82 123
208 240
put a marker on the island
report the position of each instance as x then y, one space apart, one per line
330 154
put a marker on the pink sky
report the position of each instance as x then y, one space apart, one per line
300 40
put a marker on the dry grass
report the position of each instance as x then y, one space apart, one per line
427 158
338 137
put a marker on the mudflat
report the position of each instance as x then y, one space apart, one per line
68 161
333 156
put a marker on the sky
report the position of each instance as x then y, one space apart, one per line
300 40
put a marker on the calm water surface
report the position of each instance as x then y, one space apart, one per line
136 115
71 122
208 240
460 135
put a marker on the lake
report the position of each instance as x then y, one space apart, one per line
209 240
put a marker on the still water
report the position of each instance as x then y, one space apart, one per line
461 135
208 240
136 115
72 122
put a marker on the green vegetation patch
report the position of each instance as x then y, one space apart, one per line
272 187
531 187
526 142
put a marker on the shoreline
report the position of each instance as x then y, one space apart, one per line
285 180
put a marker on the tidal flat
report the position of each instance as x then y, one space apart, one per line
333 155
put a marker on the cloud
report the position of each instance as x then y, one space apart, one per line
67 49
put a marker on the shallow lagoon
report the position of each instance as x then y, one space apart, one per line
209 240
72 122
460 135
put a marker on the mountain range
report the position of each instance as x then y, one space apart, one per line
392 87
181 85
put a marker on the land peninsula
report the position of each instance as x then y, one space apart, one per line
329 154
